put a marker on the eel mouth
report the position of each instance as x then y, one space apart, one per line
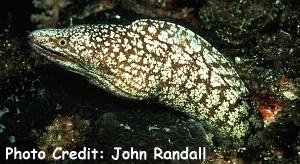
63 60
50 54
54 56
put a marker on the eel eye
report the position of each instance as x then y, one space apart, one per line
62 42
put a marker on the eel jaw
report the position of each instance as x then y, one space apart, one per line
59 58
50 54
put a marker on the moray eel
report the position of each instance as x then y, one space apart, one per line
153 59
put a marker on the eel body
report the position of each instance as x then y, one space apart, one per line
154 59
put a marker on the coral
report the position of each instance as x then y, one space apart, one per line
65 132
50 16
176 9
268 105
289 88
12 59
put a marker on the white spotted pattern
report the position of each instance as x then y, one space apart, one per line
151 58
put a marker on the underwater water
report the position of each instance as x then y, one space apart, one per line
44 106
